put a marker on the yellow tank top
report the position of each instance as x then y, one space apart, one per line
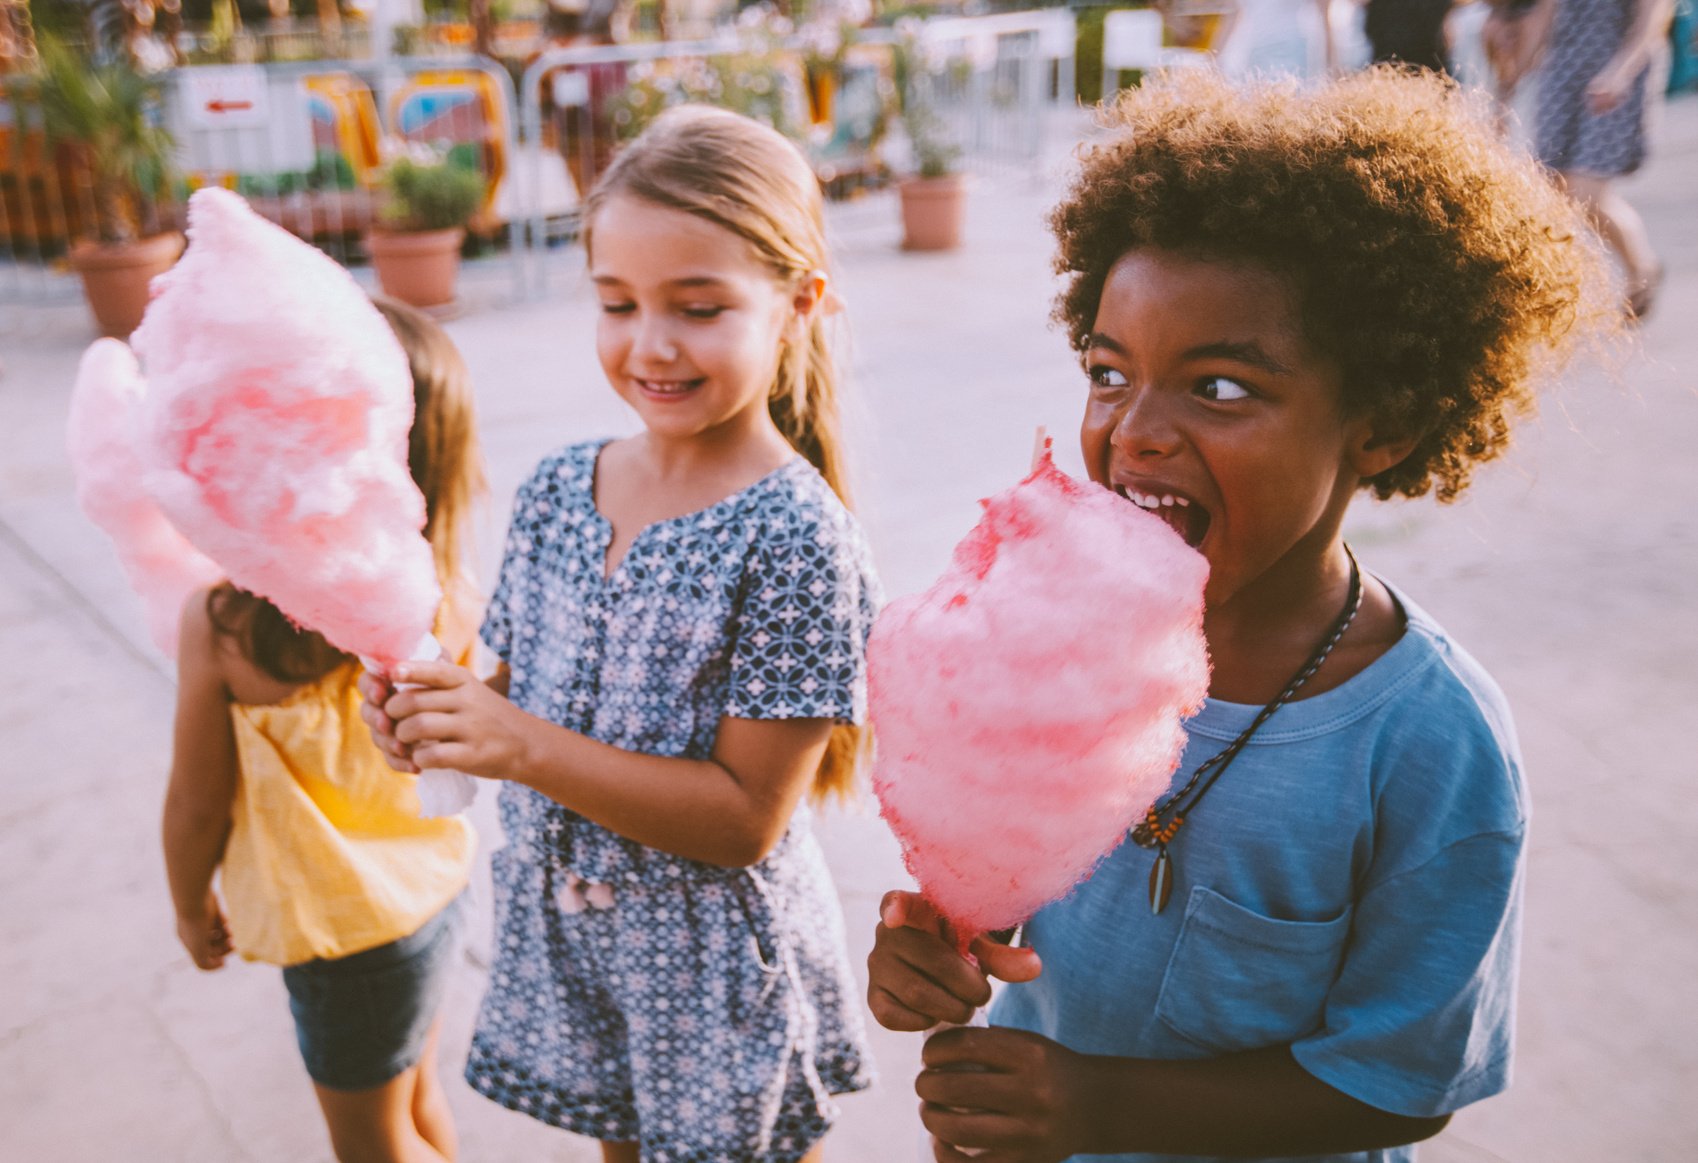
327 855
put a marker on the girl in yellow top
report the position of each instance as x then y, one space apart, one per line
325 865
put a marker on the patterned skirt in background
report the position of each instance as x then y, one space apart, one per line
1568 137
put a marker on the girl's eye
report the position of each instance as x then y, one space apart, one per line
708 312
617 308
1221 388
1103 376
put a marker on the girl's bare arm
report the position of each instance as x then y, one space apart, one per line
728 809
202 788
1645 35
1535 36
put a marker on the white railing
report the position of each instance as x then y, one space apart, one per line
300 138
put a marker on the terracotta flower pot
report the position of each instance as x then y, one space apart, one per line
418 268
933 210
116 277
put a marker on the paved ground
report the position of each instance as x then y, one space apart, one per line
1570 571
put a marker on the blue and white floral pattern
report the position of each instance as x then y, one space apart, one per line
1568 136
708 1013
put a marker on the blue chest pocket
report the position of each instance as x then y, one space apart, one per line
1238 980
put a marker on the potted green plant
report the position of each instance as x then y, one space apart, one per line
934 195
105 117
426 199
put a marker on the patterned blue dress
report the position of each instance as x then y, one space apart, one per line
707 1013
1567 136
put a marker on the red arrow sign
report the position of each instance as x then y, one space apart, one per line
227 106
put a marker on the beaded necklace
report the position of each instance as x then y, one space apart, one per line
1164 819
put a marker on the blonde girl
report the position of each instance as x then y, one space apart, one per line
681 617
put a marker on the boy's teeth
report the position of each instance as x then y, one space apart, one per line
1153 501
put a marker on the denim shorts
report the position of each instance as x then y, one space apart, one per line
362 1019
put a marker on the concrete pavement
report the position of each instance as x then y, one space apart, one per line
1569 570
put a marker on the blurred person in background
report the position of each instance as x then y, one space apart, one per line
1683 64
1410 32
1291 37
1594 61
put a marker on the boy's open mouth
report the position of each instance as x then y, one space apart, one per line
1183 516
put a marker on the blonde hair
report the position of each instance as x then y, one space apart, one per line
746 178
446 463
443 453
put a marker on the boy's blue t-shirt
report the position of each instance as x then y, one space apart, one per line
1351 887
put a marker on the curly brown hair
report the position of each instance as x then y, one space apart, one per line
1437 266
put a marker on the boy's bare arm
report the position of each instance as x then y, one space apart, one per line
201 790
1035 1100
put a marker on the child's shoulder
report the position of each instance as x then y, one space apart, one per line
794 503
1446 728
569 463
565 476
1452 677
219 652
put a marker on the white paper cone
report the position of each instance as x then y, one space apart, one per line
444 792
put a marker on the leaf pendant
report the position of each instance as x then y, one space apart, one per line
1161 881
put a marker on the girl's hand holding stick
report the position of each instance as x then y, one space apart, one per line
443 791
436 715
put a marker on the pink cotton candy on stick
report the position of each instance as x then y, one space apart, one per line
276 417
1028 707
101 438
277 413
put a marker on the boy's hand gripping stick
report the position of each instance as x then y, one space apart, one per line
980 1019
442 791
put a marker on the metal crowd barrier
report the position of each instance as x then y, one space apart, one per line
304 140
993 80
1021 66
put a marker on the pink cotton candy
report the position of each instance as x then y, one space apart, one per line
162 567
1028 707
276 415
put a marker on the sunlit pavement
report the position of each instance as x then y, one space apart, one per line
1571 571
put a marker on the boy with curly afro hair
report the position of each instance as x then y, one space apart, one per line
1282 297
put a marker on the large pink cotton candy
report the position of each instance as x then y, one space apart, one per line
276 416
101 438
1027 708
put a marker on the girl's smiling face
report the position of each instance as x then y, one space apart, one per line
692 324
1210 407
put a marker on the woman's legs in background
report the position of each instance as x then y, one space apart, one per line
1622 228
